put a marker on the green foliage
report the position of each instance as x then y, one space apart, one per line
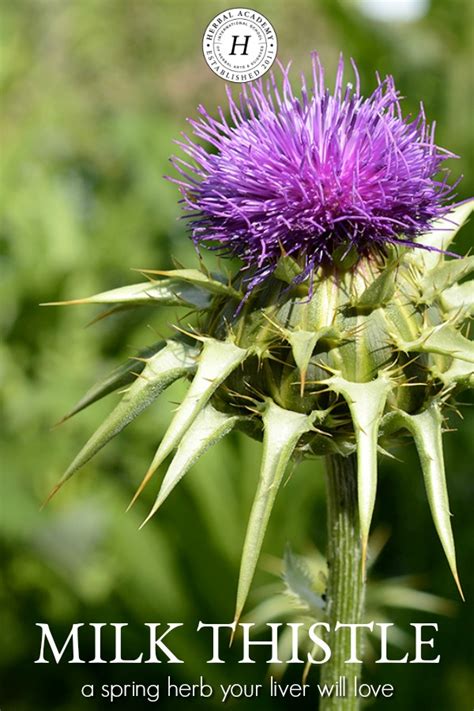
364 362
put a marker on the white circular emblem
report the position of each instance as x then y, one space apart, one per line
239 45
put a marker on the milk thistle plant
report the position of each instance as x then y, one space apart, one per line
345 328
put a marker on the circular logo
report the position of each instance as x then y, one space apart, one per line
239 45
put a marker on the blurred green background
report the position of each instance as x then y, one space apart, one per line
93 93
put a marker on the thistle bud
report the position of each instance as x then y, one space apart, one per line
347 324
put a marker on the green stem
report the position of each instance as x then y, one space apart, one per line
346 586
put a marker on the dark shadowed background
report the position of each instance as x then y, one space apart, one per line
93 93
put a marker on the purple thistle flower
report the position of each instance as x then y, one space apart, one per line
304 175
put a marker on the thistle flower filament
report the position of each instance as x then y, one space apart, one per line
307 174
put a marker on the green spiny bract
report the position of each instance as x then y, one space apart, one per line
347 361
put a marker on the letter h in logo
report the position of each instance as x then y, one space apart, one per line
236 44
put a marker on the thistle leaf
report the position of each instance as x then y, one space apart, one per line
207 429
287 269
282 430
459 297
300 583
436 283
125 374
302 346
458 372
217 360
440 237
168 292
443 339
197 278
366 402
379 292
393 593
426 429
169 364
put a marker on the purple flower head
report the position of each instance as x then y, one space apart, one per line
303 175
